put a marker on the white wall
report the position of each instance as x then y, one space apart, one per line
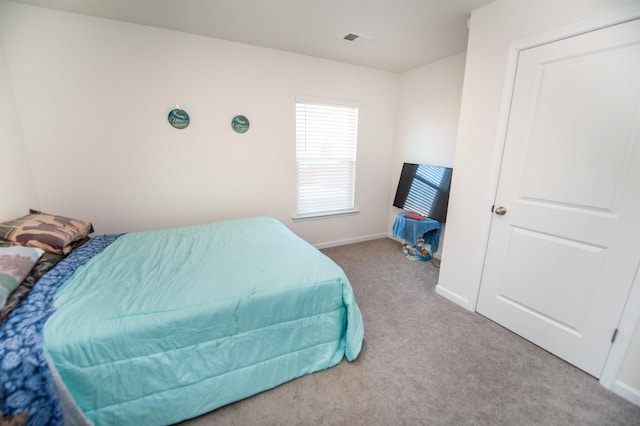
17 190
478 149
427 114
93 96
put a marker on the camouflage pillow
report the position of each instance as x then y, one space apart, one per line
15 265
54 234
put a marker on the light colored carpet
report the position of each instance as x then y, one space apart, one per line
427 361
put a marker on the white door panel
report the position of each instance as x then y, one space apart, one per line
528 285
562 259
591 99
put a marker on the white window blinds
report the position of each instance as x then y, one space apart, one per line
326 139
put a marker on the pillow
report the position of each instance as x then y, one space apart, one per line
15 265
54 234
44 265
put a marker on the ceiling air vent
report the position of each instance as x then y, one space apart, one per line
357 38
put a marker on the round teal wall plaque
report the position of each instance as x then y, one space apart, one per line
178 118
240 124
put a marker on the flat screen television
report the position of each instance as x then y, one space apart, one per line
424 190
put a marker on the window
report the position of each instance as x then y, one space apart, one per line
326 139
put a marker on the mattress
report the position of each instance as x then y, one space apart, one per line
165 325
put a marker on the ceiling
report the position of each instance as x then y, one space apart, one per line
397 35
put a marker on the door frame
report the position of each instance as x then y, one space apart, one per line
630 318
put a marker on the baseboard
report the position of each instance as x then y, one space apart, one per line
455 298
627 392
349 241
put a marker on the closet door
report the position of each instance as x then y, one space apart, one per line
564 245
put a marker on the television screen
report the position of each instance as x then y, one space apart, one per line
424 190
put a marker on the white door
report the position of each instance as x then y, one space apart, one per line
562 256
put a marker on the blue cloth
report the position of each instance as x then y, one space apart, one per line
411 230
25 378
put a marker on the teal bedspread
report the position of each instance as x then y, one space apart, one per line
166 325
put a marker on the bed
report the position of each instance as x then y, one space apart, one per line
160 326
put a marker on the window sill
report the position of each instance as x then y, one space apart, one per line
324 215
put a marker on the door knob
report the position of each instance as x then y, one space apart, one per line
500 211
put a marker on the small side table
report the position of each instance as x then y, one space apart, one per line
415 234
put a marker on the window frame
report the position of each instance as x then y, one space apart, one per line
326 102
